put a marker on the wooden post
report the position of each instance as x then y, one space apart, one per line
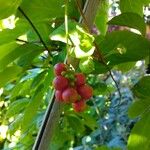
90 10
54 109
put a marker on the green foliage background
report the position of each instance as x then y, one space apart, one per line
26 69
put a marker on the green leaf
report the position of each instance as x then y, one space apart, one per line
133 6
60 57
75 123
15 125
8 7
86 65
138 107
99 88
82 41
6 49
117 49
38 79
9 74
131 20
142 88
146 2
16 90
79 53
48 79
9 35
20 50
44 29
59 34
32 107
99 68
125 67
89 121
102 148
16 107
47 16
21 89
61 137
48 8
31 51
26 138
140 136
36 100
102 17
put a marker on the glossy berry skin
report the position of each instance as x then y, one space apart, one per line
80 79
79 106
58 95
60 83
85 91
59 68
70 95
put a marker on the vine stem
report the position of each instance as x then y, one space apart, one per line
149 57
117 86
34 28
66 29
98 50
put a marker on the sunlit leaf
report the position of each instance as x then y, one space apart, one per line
8 7
16 107
102 17
118 49
9 74
139 107
131 20
133 6
142 88
140 135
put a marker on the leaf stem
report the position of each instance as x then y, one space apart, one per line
66 27
96 108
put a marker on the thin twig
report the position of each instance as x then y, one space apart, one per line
34 28
19 40
117 86
66 27
27 42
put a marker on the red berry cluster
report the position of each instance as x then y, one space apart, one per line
71 87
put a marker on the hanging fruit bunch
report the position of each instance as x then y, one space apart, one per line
71 87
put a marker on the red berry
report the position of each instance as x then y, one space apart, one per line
80 79
70 95
60 83
85 91
79 106
58 95
59 68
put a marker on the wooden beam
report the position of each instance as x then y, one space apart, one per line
90 10
54 109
